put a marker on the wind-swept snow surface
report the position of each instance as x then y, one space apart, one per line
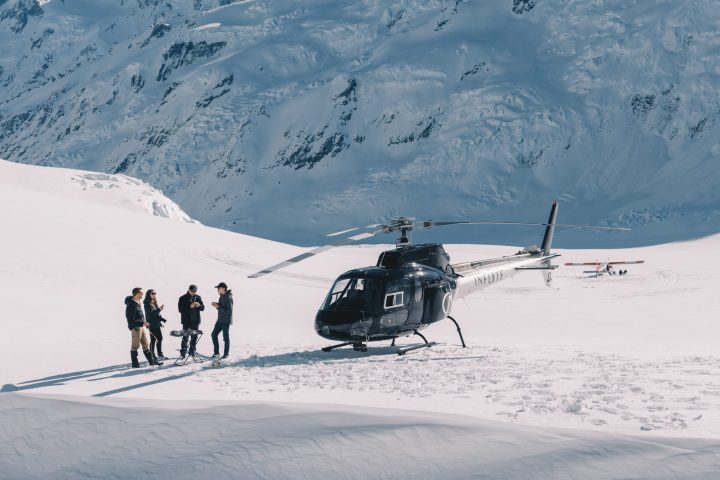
141 439
349 111
601 358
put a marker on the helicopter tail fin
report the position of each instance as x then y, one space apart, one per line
550 229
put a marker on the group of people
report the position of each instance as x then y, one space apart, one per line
145 322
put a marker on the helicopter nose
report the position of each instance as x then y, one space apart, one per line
343 325
336 318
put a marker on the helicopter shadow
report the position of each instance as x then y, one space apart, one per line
309 357
340 356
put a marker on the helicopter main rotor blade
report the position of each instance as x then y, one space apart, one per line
430 224
351 230
315 251
593 227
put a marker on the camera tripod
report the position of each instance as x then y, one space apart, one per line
184 334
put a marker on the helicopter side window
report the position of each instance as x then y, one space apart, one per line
398 293
394 300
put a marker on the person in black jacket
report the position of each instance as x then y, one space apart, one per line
224 307
153 315
136 324
190 305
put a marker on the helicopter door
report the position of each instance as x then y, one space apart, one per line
415 313
436 304
398 297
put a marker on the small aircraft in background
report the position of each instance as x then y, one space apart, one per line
604 268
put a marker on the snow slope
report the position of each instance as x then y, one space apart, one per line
249 112
119 191
627 367
141 439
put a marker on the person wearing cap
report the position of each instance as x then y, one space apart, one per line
190 305
137 326
224 307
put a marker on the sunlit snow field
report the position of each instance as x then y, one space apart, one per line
615 377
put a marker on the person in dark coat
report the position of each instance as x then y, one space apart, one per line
190 305
153 315
225 308
137 326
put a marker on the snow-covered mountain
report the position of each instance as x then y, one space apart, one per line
250 113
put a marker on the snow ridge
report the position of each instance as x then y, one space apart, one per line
118 191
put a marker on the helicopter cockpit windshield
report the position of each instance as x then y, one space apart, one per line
357 294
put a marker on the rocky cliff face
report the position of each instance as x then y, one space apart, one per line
291 118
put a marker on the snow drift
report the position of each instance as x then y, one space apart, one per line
119 191
119 439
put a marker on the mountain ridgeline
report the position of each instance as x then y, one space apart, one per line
288 119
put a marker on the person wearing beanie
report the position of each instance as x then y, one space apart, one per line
190 305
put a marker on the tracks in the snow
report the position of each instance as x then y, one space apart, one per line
539 385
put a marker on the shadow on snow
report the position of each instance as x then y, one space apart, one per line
61 379
305 357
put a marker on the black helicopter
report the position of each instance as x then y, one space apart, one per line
413 286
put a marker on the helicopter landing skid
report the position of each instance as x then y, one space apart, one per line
333 347
427 344
462 340
357 346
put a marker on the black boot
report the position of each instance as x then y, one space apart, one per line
134 359
155 359
152 360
